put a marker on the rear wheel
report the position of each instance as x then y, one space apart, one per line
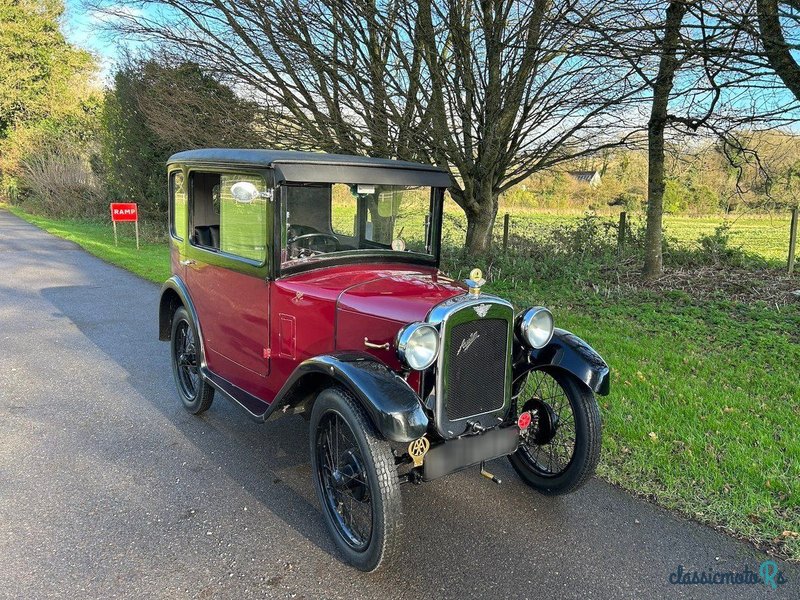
356 481
196 394
560 449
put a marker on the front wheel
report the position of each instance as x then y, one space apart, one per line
559 450
356 481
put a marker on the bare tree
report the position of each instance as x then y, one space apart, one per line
492 90
188 109
706 76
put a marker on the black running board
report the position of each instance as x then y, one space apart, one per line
255 408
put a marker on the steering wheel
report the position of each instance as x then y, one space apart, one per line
307 236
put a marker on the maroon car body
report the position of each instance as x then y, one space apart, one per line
309 283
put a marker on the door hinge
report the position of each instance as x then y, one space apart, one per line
269 194
267 353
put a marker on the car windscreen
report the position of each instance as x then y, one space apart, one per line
320 220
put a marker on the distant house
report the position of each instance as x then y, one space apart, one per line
591 177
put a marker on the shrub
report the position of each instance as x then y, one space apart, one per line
58 181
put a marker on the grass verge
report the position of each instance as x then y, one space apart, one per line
704 414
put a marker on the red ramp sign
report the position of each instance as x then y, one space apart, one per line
125 212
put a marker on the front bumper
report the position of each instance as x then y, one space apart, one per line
454 455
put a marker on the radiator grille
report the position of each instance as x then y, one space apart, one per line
476 370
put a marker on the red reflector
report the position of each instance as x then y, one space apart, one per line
524 421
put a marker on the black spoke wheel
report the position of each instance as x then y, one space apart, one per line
356 480
196 394
560 449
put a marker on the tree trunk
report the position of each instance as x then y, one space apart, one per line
659 115
480 203
779 53
479 232
653 262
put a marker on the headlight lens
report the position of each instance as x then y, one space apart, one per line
418 345
536 327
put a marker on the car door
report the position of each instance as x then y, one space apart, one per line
227 266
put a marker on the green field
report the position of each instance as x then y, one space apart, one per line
766 236
704 413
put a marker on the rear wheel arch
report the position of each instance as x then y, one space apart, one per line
169 303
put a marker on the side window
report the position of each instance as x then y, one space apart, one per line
229 213
177 204
454 223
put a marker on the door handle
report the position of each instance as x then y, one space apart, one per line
188 262
369 344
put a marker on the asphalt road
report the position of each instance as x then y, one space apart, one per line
109 489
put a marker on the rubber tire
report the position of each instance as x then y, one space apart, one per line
387 514
204 395
588 441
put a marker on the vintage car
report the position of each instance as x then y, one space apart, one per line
308 283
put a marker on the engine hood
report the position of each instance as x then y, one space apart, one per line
399 296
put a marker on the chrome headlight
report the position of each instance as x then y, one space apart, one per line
536 327
418 345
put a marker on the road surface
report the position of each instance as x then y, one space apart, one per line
108 489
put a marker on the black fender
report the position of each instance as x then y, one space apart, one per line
392 405
568 352
174 293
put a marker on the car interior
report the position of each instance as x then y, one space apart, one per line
309 229
205 190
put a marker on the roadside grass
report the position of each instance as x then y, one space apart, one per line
704 412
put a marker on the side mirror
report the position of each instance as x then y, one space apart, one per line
244 192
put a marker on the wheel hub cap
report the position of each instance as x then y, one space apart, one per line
544 423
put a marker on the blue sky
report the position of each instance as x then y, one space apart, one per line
84 28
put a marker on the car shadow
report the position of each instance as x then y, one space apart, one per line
269 460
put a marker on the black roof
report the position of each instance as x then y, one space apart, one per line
320 167
266 158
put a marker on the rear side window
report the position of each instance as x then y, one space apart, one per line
229 213
177 204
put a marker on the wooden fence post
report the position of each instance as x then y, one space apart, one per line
506 220
623 217
792 239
